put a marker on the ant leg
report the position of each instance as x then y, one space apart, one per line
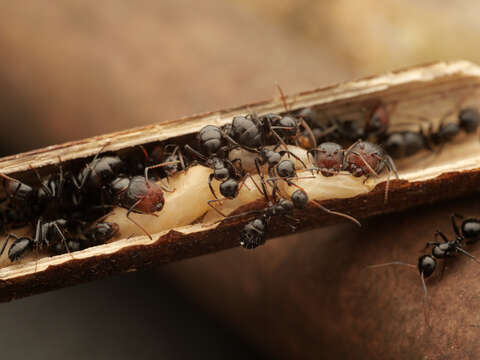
210 202
84 179
295 156
387 186
210 178
441 234
195 152
453 218
349 149
463 252
309 154
45 188
147 169
279 138
262 180
294 220
63 239
254 183
130 210
180 156
61 180
370 169
309 131
328 211
145 153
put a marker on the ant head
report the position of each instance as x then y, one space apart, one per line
426 265
299 199
286 169
229 188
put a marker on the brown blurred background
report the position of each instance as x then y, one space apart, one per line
70 70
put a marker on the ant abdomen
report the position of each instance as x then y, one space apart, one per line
471 230
19 247
426 265
210 139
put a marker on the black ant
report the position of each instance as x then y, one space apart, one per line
399 144
28 202
223 169
252 132
365 158
96 234
470 231
46 234
23 201
98 173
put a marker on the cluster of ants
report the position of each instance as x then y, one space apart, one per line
68 209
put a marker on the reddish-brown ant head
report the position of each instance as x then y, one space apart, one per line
379 120
329 158
364 158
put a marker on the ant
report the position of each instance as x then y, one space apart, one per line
223 169
46 234
252 131
97 234
137 194
470 231
28 202
99 172
365 158
404 143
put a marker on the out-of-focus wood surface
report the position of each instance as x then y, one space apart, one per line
69 70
